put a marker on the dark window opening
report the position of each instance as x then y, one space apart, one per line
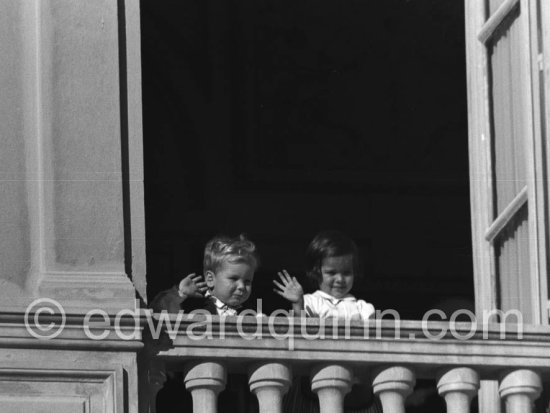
282 118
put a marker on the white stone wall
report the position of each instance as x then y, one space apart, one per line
71 199
69 114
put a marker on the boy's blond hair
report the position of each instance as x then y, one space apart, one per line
222 249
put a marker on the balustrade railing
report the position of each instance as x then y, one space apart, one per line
391 354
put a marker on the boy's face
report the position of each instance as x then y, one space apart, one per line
337 275
231 283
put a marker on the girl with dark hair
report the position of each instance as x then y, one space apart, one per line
333 264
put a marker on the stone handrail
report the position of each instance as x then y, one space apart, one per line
390 354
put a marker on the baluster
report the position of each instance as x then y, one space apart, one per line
458 386
269 382
205 380
392 385
331 383
519 389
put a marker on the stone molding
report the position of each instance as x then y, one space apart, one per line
15 335
93 389
488 356
80 291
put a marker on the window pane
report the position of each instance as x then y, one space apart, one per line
512 259
508 120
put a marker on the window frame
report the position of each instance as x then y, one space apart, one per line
481 175
485 227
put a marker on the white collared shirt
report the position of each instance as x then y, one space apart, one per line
221 307
323 305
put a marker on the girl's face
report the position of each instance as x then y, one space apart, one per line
337 275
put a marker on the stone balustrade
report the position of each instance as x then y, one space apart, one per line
392 354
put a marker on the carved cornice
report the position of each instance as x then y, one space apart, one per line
122 335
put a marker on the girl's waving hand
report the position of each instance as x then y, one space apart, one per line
289 288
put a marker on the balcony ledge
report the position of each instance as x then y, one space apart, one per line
489 348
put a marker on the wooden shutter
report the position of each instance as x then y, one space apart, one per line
507 156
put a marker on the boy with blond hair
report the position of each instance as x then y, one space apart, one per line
229 265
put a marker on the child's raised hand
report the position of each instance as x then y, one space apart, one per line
192 286
289 288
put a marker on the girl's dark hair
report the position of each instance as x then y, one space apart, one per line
327 244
